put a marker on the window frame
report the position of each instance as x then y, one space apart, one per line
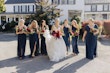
92 9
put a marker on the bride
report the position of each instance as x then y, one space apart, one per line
55 44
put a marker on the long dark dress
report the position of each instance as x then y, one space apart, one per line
43 43
33 41
91 43
75 42
21 43
37 52
66 37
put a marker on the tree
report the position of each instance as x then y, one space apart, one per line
2 6
45 11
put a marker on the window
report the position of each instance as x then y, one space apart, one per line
33 8
23 8
30 8
16 9
71 1
64 1
106 7
56 1
19 8
94 8
104 16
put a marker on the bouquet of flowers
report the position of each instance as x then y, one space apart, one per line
94 31
42 31
19 30
24 29
56 34
75 33
28 29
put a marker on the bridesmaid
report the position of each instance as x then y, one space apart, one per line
21 32
66 37
75 33
90 37
43 44
33 38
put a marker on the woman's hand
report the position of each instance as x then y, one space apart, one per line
83 39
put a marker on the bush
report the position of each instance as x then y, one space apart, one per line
10 26
7 27
13 24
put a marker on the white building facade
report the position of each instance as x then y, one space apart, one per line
97 9
16 10
70 8
23 8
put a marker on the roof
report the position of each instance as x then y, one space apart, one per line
19 1
16 13
96 1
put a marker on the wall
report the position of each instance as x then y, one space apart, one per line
79 6
9 7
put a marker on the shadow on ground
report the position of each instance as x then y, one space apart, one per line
40 63
28 65
73 67
5 37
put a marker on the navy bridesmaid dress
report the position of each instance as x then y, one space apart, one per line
91 43
75 42
43 44
21 45
33 41
37 52
66 37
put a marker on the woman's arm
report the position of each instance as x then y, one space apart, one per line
70 30
46 26
76 26
52 29
18 32
62 32
95 30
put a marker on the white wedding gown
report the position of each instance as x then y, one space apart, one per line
56 48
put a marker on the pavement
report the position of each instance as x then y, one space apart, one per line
41 64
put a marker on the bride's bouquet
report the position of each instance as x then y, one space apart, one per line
42 31
56 34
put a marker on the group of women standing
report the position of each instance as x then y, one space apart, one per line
34 35
55 42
